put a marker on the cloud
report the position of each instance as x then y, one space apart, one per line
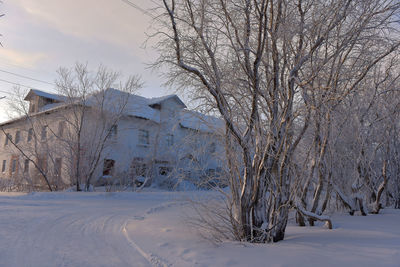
109 21
42 35
21 58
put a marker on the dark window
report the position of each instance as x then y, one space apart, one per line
42 163
212 148
13 165
30 134
170 139
17 137
164 171
108 166
141 170
33 108
44 133
26 166
57 167
211 173
8 137
3 167
138 167
61 126
188 174
144 137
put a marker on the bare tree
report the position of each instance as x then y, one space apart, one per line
93 114
259 64
33 151
73 134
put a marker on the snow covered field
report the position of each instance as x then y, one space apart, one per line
148 229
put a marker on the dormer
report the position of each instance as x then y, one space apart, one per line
38 99
169 107
158 102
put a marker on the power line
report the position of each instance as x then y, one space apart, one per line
18 84
25 77
157 4
5 92
139 8
5 61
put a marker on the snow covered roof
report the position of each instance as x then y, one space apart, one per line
44 94
200 122
136 106
141 107
159 100
51 106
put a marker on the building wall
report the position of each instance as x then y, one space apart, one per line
38 144
169 148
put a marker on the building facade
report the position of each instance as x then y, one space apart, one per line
156 139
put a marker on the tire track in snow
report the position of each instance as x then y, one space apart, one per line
76 232
154 260
72 237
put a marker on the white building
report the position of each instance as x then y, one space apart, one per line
157 138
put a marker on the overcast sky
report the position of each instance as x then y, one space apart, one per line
39 36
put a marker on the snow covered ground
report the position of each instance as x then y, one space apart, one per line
149 229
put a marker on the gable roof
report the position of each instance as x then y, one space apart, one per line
136 106
33 92
160 100
200 122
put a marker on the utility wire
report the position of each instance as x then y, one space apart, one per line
6 62
18 84
5 92
139 8
156 3
25 77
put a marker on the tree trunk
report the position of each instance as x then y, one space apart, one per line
300 219
377 205
278 218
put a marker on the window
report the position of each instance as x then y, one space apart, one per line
33 108
61 126
8 137
144 137
17 137
164 171
211 173
138 167
42 163
187 174
113 130
26 166
57 167
108 167
44 133
170 139
30 134
13 166
3 167
212 148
